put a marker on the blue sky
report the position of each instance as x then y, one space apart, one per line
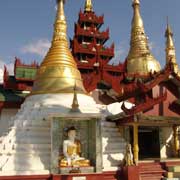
26 26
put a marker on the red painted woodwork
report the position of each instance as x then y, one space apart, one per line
27 177
92 48
10 105
96 33
103 176
175 107
149 102
163 108
151 171
90 17
131 173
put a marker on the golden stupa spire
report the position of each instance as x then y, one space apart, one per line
88 6
58 72
140 60
170 48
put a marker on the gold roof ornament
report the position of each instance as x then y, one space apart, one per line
170 48
58 72
140 60
88 6
75 104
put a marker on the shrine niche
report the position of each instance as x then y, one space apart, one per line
76 145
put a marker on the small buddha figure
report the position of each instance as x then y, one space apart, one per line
72 151
128 156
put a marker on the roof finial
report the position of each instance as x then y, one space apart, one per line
88 6
168 29
136 2
75 105
58 71
140 60
170 48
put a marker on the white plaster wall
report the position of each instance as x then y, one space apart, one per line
6 119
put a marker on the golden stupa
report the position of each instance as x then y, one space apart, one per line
88 6
170 49
140 60
58 72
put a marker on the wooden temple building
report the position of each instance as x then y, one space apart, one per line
151 125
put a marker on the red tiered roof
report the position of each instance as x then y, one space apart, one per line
89 42
24 75
90 17
94 32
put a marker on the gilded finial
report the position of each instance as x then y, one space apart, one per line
140 60
75 104
168 29
136 2
170 48
88 6
58 71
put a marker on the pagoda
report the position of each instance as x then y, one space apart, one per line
133 135
90 52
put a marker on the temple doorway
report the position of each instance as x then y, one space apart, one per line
149 145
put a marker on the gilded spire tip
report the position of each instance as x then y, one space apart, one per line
88 6
136 2
168 29
170 48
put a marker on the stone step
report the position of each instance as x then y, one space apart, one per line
117 158
25 161
32 128
34 147
150 168
111 134
110 168
35 172
150 177
30 140
110 130
170 178
110 147
3 160
25 167
108 124
113 139
173 168
113 151
30 151
26 154
114 145
33 134
34 123
172 174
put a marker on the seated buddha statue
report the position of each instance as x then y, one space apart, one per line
72 151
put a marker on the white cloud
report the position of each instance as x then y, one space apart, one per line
39 47
152 45
120 51
10 68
